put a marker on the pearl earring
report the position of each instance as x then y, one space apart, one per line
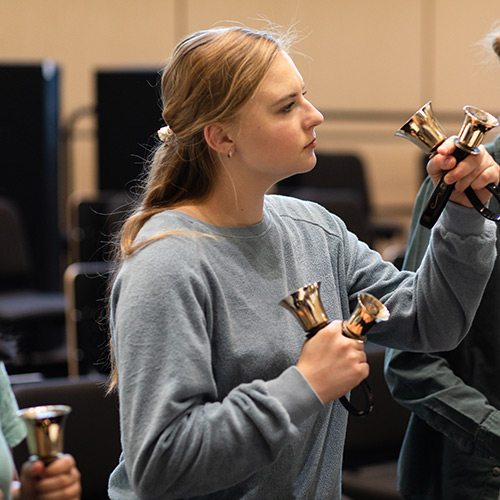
230 154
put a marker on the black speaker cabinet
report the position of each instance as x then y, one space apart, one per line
128 117
29 107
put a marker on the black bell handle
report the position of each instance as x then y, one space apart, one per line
368 401
442 193
368 394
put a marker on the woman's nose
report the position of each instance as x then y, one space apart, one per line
316 118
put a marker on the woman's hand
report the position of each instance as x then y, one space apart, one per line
333 364
476 171
59 480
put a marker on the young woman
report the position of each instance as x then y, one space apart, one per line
220 397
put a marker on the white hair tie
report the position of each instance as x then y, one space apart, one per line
164 132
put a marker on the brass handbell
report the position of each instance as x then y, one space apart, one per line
367 313
306 306
476 123
424 130
45 426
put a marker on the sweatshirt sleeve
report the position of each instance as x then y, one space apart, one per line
427 385
432 309
180 437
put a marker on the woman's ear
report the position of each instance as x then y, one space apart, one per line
218 139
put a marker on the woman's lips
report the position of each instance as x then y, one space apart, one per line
312 144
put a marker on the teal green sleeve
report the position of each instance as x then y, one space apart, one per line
12 433
13 427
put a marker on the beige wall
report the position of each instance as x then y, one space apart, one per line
362 55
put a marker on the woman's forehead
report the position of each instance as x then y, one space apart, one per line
282 79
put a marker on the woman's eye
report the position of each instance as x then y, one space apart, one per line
290 105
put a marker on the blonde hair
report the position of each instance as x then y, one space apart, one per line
490 44
209 77
495 42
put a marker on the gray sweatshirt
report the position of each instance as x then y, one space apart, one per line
211 403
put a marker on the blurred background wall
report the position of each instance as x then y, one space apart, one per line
367 65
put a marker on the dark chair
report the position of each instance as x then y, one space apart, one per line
373 442
92 433
95 220
85 287
34 317
340 180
